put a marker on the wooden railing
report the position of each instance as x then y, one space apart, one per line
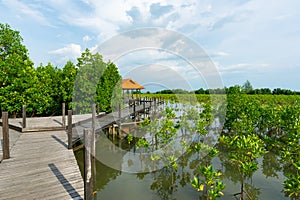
5 132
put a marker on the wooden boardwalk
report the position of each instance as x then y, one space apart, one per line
107 120
41 167
44 123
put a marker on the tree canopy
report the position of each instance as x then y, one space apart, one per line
17 74
96 82
43 89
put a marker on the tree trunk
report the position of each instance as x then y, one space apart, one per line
242 188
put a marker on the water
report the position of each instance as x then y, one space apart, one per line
169 183
113 180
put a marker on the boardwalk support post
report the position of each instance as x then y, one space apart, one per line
93 145
119 119
5 131
134 110
93 127
63 115
88 176
24 116
155 106
70 129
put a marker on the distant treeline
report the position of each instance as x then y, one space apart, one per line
245 89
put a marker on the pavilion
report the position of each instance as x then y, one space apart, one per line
130 86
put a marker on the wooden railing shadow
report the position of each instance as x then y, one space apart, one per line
64 182
59 122
59 141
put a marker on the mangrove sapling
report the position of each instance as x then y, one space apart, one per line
290 149
210 182
244 150
142 143
291 155
129 138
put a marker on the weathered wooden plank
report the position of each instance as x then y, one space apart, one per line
27 174
42 182
30 172
39 129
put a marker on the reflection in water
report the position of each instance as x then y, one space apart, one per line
270 165
175 184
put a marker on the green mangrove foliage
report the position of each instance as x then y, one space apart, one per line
211 180
254 126
43 89
96 82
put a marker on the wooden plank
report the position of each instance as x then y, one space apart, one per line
27 175
40 129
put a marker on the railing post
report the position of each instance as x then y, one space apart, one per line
93 127
88 176
63 115
155 106
24 116
134 110
93 146
97 109
119 118
70 129
5 132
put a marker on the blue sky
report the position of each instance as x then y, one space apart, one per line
254 40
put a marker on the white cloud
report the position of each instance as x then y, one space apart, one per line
240 35
25 10
219 54
243 68
69 52
86 38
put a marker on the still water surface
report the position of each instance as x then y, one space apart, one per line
170 183
174 184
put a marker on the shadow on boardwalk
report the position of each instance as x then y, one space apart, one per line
65 183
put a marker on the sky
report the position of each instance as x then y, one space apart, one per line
164 44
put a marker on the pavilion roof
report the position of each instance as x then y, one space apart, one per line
129 84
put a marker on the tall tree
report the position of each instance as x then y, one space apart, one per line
234 90
69 73
49 85
90 68
17 74
109 90
247 87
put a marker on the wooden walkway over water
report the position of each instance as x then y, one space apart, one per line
104 121
40 165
